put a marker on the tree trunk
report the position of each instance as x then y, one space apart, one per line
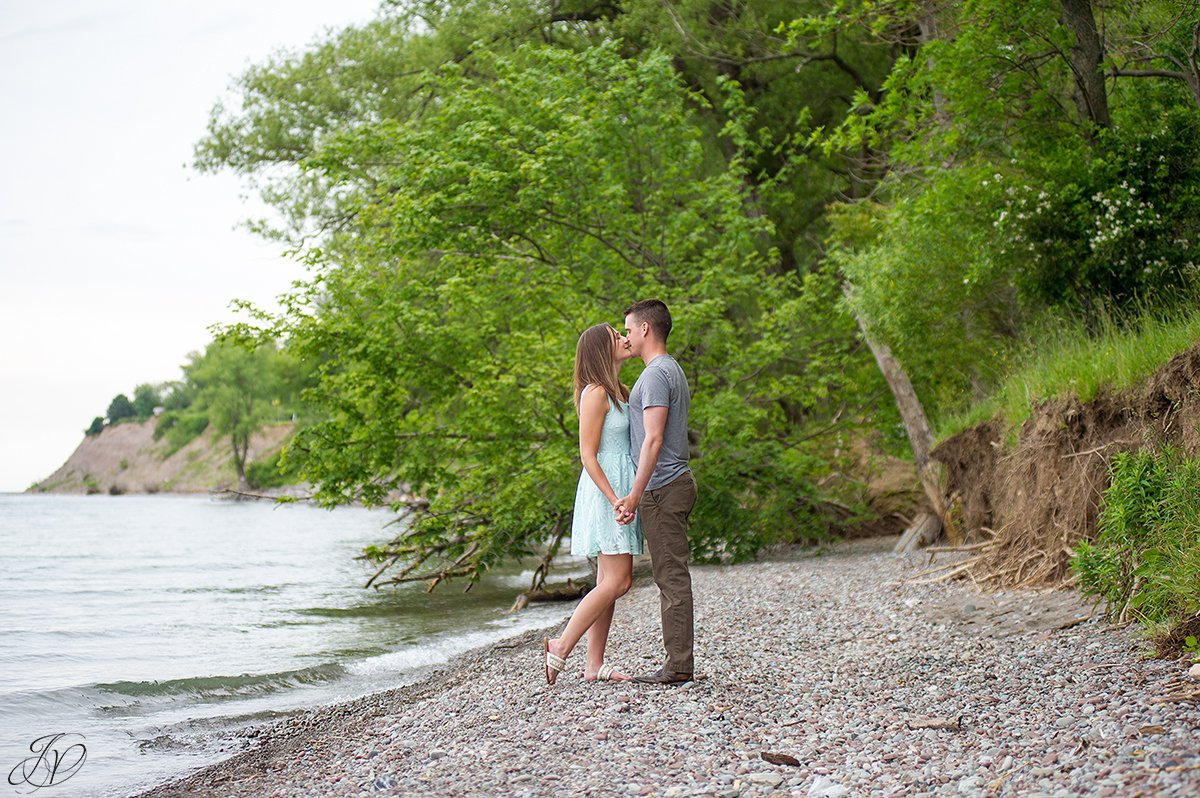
924 529
1087 53
927 24
916 425
240 450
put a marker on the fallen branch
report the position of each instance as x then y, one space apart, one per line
944 566
570 592
954 569
969 547
944 576
241 494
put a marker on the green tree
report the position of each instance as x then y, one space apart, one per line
178 395
543 192
389 70
473 182
96 427
238 389
119 409
1017 186
146 398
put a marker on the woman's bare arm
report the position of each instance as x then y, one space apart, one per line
593 406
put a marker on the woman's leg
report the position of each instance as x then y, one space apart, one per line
614 574
597 633
597 639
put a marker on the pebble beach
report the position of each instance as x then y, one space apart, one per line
834 673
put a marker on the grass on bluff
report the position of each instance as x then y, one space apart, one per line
1071 361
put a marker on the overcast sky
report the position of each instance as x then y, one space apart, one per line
115 256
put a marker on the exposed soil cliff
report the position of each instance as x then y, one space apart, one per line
126 459
1039 498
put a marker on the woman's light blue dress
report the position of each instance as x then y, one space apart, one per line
594 529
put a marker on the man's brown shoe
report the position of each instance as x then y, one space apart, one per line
663 677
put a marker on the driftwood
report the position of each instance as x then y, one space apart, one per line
569 592
941 724
968 547
956 569
1181 688
924 529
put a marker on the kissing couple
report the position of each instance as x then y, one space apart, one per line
635 482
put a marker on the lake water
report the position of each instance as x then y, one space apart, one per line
149 629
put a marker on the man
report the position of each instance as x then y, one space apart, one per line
663 487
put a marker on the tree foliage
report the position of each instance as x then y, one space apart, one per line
240 389
472 183
478 244
119 409
146 398
1011 192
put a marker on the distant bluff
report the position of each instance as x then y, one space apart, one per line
125 458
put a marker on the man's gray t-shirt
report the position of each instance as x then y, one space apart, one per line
662 384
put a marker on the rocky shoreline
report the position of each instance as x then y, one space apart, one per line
838 663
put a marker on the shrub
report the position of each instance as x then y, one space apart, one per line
1117 229
275 471
146 397
1145 562
180 427
119 409
178 395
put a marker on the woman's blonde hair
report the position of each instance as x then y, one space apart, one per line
594 364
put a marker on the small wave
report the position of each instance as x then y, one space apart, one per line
377 610
428 651
226 687
245 589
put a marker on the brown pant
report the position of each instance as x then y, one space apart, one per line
665 524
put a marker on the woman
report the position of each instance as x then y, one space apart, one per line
600 399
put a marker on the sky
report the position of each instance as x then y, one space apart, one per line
115 255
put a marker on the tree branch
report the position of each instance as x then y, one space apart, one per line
1147 73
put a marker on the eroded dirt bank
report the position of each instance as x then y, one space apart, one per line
1041 496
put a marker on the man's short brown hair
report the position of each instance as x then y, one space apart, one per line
654 312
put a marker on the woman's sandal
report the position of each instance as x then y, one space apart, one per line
605 674
554 663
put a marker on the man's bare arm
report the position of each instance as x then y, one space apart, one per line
655 421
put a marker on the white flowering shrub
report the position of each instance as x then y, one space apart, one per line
1118 227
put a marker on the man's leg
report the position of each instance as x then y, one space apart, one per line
665 523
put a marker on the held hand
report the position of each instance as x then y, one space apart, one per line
618 510
626 509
